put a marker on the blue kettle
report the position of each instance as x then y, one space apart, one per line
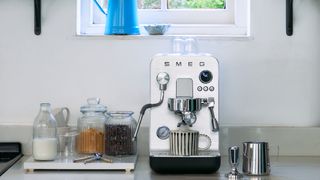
121 17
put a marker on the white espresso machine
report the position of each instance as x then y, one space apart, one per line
186 91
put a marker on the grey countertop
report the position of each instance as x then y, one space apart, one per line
281 168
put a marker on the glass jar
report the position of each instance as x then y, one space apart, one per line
91 127
119 131
45 141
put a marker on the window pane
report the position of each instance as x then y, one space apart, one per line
149 4
196 4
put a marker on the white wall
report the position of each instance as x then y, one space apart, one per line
270 80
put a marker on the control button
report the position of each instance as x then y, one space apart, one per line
205 88
205 76
199 88
211 88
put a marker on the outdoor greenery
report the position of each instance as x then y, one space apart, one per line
149 4
208 4
182 4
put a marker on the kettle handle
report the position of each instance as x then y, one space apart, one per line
99 7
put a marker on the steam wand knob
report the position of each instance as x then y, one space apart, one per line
163 79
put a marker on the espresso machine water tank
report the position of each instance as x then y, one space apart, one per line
184 127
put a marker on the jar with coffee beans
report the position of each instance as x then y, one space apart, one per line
119 131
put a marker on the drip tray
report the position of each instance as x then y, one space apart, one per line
201 154
126 163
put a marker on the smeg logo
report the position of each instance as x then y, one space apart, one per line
183 64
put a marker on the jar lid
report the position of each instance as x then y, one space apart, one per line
93 106
120 113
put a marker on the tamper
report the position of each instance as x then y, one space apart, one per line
234 162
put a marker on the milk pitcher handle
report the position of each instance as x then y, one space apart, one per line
67 114
99 7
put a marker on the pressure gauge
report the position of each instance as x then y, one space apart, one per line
163 132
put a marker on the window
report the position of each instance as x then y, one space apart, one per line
187 17
181 4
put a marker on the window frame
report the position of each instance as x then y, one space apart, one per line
223 25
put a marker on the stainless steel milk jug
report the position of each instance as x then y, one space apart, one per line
256 158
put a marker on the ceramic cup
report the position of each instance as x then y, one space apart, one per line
186 142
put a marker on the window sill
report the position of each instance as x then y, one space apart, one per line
210 32
165 37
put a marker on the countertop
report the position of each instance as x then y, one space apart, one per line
281 168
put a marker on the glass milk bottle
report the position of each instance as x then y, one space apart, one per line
45 142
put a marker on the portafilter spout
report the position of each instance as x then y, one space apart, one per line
162 79
186 109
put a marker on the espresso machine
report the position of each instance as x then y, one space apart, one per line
185 89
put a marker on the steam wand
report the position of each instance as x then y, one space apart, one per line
162 79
